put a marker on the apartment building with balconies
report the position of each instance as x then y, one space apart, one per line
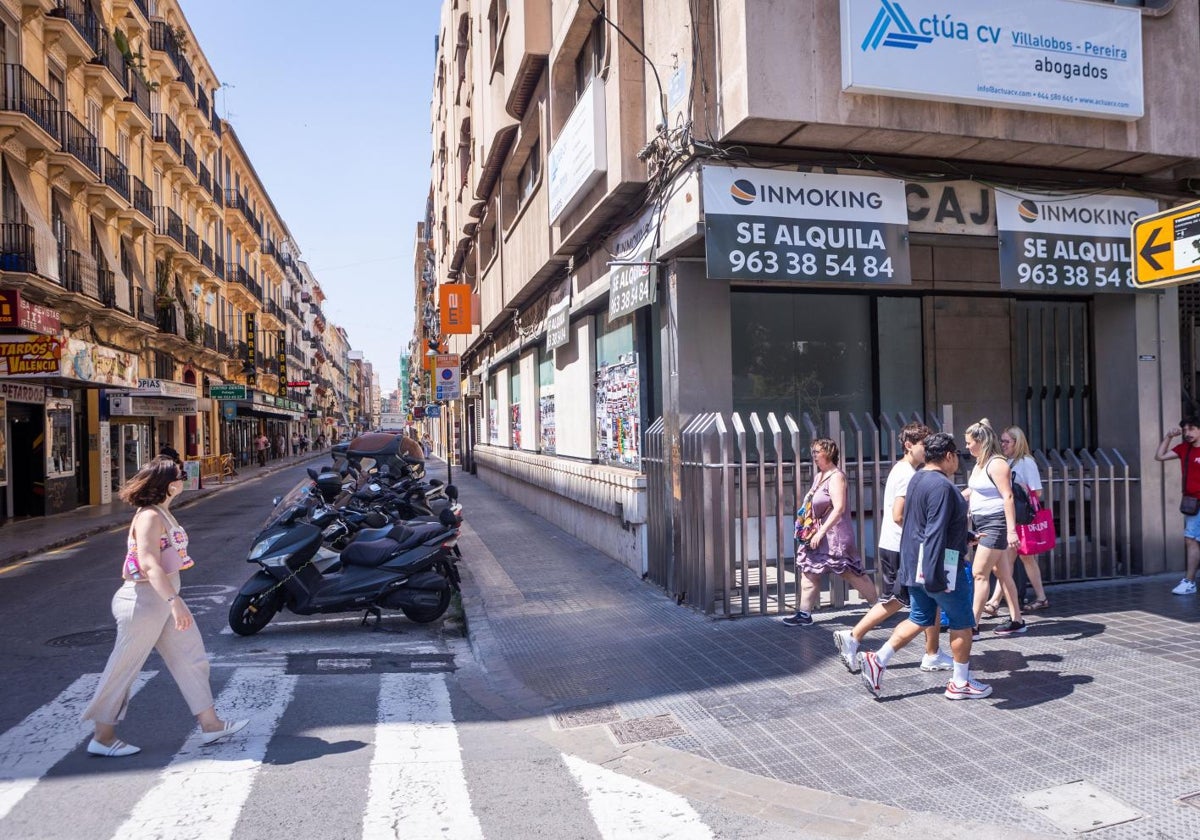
672 209
125 279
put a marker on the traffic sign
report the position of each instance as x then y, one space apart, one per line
446 376
227 392
433 411
1166 247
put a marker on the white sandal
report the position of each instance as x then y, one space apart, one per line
117 749
231 727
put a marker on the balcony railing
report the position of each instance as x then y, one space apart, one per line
162 38
168 320
23 93
80 15
206 255
218 194
16 248
79 142
168 223
77 275
275 309
139 90
143 198
116 174
186 75
144 5
205 178
189 157
109 56
202 102
218 266
210 336
166 131
191 242
224 345
216 122
106 281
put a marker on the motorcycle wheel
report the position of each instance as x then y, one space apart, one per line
424 615
251 613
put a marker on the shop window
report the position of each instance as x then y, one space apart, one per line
805 354
528 175
617 395
493 418
60 438
514 404
547 436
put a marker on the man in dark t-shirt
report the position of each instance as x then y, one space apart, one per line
1188 453
933 565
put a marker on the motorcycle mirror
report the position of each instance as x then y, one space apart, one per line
312 473
275 500
451 492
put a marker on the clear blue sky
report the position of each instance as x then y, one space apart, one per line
334 114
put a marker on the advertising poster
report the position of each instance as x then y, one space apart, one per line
1067 243
768 224
619 413
549 437
30 355
106 462
514 417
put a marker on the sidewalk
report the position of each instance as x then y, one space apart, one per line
763 718
31 536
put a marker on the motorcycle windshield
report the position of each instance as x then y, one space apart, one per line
300 495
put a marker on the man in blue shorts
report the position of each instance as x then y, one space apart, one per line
933 550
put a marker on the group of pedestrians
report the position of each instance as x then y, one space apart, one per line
929 527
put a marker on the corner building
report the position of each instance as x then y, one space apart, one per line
824 212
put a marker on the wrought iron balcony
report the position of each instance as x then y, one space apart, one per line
224 345
191 242
202 102
106 281
23 93
216 122
79 142
168 223
218 266
186 75
77 274
189 158
165 131
116 174
168 320
162 38
139 90
144 5
16 248
210 336
275 309
110 57
81 15
205 178
268 248
143 198
218 194
206 255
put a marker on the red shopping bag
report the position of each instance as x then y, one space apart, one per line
1039 535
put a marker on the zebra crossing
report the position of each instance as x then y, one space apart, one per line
417 782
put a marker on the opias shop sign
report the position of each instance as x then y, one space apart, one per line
30 355
1051 55
765 224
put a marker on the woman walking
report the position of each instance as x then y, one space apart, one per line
151 615
993 519
1015 447
831 548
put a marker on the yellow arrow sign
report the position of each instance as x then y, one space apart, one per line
1166 247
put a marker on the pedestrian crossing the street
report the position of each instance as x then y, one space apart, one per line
416 777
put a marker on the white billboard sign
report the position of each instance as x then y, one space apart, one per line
1067 56
580 154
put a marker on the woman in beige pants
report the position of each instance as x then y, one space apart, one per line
151 615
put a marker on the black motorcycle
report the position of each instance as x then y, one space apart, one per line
407 567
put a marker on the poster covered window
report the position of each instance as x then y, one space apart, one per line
618 393
60 438
493 418
548 440
514 404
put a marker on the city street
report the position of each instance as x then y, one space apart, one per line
584 704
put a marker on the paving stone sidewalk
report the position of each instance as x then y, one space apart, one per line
1100 690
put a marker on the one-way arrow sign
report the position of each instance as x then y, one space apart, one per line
1166 246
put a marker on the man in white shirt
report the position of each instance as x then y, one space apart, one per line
893 595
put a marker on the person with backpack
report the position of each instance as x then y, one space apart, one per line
993 518
1188 453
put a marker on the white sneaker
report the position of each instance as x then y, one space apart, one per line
970 690
847 649
1184 587
939 661
117 749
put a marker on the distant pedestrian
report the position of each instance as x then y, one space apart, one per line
295 444
830 549
895 595
151 615
1188 453
933 549
261 444
303 443
321 441
280 445
427 445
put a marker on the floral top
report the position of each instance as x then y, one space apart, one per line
172 545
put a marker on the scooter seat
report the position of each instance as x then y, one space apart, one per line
369 553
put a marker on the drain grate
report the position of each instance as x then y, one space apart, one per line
369 663
591 716
88 638
1079 807
654 728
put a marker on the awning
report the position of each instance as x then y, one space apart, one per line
247 409
45 246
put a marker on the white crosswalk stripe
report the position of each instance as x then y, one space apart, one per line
626 809
417 778
200 794
418 788
36 744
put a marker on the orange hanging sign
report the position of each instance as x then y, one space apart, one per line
454 305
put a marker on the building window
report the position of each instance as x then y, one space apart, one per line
589 61
547 436
514 404
530 172
497 24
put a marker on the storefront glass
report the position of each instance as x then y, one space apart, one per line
617 395
546 428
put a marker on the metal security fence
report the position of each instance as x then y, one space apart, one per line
723 541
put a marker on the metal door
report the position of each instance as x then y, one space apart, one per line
1052 369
